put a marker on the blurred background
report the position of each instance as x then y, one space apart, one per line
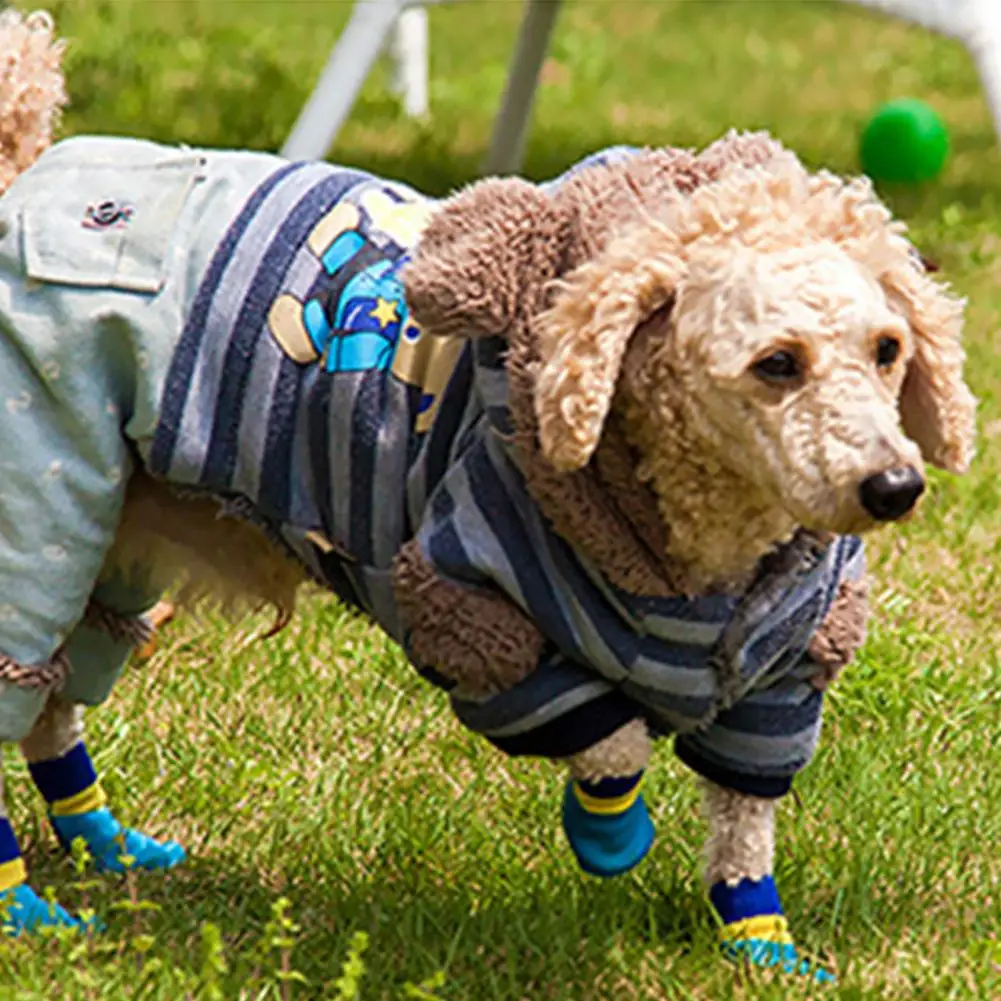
236 73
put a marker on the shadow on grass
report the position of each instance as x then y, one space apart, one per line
418 924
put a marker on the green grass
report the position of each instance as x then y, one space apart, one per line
317 767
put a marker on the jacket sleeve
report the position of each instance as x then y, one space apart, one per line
464 635
758 745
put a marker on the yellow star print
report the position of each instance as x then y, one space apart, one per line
385 312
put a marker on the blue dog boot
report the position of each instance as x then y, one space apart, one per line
769 954
107 840
21 908
77 809
755 930
610 842
25 911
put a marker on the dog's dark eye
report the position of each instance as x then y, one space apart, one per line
887 351
783 366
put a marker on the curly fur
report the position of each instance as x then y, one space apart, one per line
625 752
608 514
635 323
583 340
667 277
32 92
741 843
604 511
193 547
762 259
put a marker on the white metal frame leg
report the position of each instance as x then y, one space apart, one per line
986 52
507 145
409 52
975 23
343 76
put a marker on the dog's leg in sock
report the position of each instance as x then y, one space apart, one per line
739 858
63 773
22 909
604 816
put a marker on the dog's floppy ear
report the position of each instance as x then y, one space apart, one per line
582 339
937 409
485 258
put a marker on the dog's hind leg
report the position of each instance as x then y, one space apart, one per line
21 908
739 859
604 815
59 727
63 772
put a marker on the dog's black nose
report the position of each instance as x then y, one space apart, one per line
890 495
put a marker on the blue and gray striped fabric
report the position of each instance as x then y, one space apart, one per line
727 675
327 458
346 461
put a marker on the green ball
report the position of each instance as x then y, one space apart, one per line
904 141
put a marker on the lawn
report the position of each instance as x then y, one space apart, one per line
316 768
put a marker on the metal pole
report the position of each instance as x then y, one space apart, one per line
507 146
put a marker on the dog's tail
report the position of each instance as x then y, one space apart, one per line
32 90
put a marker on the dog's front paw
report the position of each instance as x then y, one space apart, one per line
607 844
755 930
765 941
108 842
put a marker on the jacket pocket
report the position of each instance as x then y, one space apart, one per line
101 224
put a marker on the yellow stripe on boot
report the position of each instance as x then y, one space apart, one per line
91 798
763 928
12 873
606 805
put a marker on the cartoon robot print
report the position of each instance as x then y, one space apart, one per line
361 322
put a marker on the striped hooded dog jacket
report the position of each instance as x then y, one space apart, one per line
238 325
